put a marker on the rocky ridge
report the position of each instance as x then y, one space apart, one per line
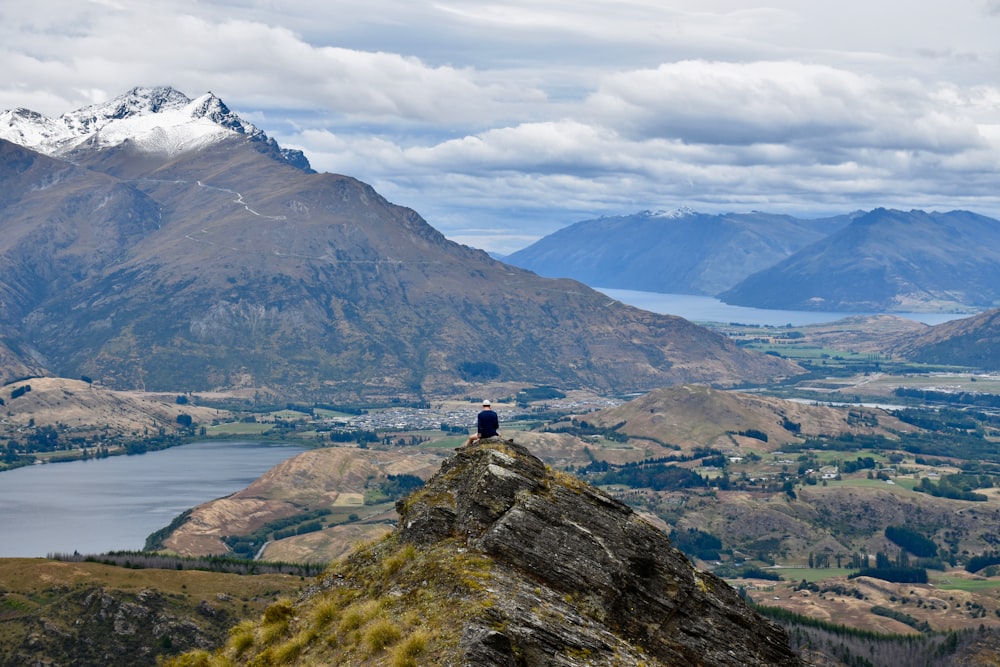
159 119
499 560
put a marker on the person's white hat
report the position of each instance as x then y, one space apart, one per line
486 403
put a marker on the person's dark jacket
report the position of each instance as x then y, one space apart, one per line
488 423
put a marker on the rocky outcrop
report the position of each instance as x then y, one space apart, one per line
585 580
499 561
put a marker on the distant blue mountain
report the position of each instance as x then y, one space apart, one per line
884 261
678 251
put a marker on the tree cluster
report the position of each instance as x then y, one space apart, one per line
955 487
696 543
912 541
897 570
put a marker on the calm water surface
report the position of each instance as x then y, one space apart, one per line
709 309
115 503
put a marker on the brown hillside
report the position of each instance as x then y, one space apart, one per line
861 333
970 341
316 479
59 613
696 415
14 365
87 410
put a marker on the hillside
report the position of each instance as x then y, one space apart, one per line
885 261
678 251
92 413
16 365
460 582
699 416
219 263
57 613
971 341
337 480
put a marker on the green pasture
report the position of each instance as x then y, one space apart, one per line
795 574
323 413
448 442
290 415
864 483
238 428
808 352
946 583
954 382
908 483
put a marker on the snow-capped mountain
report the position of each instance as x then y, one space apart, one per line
158 120
227 267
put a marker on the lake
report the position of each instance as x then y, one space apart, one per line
113 504
709 309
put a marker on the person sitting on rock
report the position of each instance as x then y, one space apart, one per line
487 424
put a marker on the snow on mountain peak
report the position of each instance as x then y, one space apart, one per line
680 212
159 119
134 103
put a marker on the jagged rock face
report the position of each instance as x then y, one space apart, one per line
585 580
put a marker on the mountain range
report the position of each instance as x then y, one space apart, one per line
876 261
679 251
887 260
162 243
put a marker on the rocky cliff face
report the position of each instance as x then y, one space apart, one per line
498 560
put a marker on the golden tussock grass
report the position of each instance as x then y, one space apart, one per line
380 634
407 652
388 603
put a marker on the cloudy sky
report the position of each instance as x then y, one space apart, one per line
501 121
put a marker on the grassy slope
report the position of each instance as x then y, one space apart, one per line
47 607
385 605
698 416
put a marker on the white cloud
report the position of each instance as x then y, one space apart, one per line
267 66
779 102
502 121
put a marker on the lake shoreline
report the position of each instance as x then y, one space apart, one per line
699 309
115 503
